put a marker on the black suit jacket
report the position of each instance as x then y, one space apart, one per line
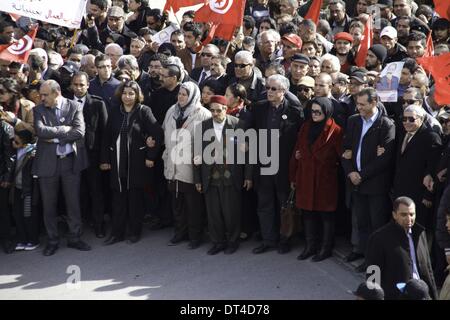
291 121
95 118
419 159
239 171
375 170
388 249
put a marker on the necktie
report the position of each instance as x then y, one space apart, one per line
405 141
202 77
412 253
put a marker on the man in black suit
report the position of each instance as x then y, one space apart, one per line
277 117
95 119
60 158
200 74
418 153
400 251
369 150
221 178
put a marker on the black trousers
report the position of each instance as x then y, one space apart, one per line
319 228
249 214
50 186
372 212
92 198
188 210
5 215
27 228
223 207
127 210
270 200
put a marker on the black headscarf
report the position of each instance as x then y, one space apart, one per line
317 127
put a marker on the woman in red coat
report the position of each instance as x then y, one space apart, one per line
313 173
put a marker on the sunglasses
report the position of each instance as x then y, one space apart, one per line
272 89
409 119
409 101
204 54
242 65
316 112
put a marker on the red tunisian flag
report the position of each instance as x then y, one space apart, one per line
429 50
366 43
439 67
222 31
19 50
442 7
176 5
222 11
314 10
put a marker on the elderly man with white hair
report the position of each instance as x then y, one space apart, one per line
418 152
277 117
114 51
249 76
47 73
269 49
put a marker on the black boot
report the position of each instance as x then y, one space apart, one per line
310 228
328 237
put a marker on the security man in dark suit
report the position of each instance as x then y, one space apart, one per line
95 119
60 158
367 162
279 119
221 178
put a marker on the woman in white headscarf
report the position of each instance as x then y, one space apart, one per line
179 124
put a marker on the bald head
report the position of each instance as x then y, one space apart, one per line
323 85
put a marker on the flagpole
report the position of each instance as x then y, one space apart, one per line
228 45
74 37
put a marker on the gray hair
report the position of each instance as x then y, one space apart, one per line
335 63
53 85
215 50
176 61
244 55
85 60
41 53
418 110
269 33
282 80
114 46
128 60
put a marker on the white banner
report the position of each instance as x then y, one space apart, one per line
63 13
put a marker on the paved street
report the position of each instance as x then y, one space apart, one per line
152 270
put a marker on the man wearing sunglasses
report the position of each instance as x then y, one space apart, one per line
418 151
277 116
201 73
413 96
247 75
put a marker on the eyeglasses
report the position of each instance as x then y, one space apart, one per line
272 89
316 112
409 119
409 101
242 65
205 54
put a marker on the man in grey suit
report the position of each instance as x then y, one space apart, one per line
60 157
222 181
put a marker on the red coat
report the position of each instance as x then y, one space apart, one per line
315 173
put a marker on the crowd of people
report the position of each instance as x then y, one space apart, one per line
106 121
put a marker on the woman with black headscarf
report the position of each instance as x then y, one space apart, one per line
313 173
